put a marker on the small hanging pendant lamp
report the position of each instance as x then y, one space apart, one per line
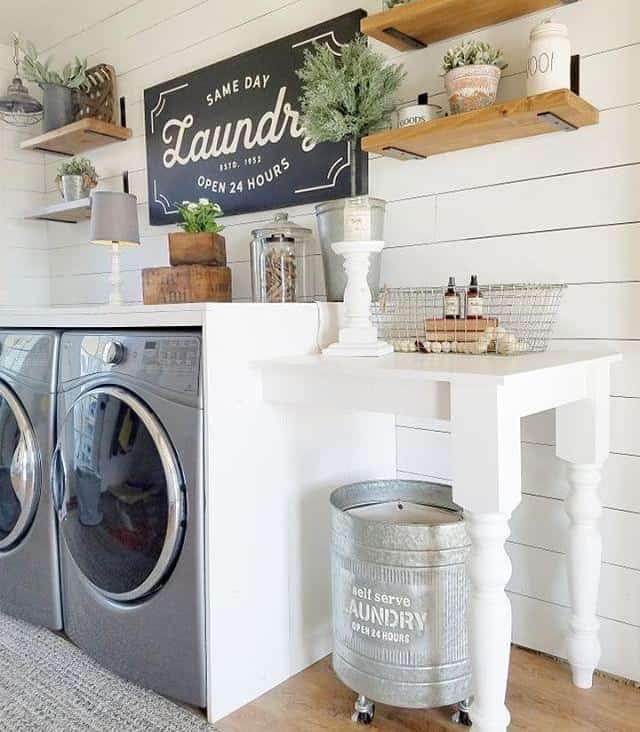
17 107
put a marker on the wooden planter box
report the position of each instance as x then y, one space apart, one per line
186 283
201 248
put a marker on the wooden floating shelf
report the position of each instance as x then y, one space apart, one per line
525 117
66 212
421 22
78 137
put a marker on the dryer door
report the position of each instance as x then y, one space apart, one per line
119 493
19 470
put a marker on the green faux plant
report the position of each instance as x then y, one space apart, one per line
73 75
345 97
200 217
79 166
472 53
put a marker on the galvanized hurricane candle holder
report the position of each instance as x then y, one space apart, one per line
399 596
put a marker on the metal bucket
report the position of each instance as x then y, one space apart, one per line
400 593
331 229
59 106
73 187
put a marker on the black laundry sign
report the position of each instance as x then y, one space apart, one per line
231 132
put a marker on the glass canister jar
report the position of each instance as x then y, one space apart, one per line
280 271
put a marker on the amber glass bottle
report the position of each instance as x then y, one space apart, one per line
451 301
475 301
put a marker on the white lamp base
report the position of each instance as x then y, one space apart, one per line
358 337
115 296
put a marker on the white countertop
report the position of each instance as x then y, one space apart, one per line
126 316
437 367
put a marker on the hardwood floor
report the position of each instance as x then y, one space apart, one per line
541 699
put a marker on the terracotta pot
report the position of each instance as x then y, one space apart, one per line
198 248
472 87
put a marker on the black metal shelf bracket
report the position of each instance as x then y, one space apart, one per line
409 41
400 154
556 121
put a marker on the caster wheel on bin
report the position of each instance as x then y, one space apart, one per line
364 711
363 717
461 715
462 718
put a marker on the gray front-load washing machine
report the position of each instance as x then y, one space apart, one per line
128 487
29 573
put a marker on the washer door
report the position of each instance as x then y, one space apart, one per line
119 493
19 466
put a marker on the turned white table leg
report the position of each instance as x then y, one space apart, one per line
485 440
489 619
585 555
582 439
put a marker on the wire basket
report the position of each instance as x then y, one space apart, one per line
516 318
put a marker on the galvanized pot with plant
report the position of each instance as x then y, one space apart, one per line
76 178
199 242
58 88
344 98
472 74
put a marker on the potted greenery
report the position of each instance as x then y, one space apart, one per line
57 88
344 98
199 242
75 179
472 74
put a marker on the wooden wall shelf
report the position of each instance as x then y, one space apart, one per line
66 212
422 22
524 117
78 137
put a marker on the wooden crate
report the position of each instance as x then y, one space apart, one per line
186 283
199 248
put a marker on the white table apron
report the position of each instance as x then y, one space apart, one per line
485 398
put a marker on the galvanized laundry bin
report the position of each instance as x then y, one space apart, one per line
400 595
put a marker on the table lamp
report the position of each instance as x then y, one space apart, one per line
114 223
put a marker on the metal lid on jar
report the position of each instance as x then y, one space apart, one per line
282 227
549 27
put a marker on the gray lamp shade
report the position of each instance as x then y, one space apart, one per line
114 219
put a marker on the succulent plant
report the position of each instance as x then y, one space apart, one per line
73 75
79 166
473 53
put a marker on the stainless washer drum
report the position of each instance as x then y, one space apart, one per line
400 593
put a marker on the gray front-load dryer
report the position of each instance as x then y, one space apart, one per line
127 483
29 573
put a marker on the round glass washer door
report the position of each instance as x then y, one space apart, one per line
19 470
119 493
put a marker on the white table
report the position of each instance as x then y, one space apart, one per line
485 398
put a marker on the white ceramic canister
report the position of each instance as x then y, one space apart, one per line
549 62
413 114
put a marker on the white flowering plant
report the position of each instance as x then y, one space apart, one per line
200 216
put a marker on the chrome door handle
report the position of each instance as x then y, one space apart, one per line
58 480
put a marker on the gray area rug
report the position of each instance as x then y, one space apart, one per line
49 685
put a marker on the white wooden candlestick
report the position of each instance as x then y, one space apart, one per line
358 336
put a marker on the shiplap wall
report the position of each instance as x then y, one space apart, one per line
563 207
24 274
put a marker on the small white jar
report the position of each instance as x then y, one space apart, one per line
413 114
549 62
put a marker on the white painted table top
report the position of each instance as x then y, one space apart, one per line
453 368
